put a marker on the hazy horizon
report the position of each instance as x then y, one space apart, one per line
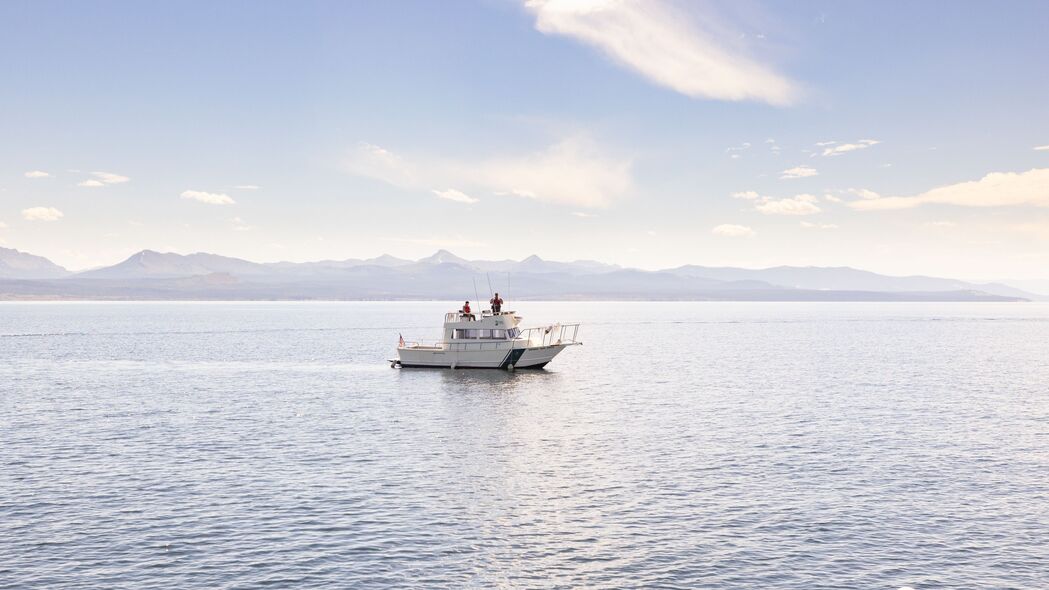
749 134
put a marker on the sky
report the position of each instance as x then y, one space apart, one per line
899 137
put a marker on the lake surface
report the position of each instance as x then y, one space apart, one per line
690 445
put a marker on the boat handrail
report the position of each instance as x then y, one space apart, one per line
550 335
458 316
539 336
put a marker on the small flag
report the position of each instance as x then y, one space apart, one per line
400 341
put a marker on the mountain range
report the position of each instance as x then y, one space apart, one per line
159 275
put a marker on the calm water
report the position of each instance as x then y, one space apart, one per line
692 445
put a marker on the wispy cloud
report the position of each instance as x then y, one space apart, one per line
37 174
453 195
796 205
837 150
247 187
41 214
734 152
1041 148
209 198
670 49
997 189
3 225
730 230
574 171
799 172
863 193
110 178
939 224
583 214
102 179
241 225
810 225
803 204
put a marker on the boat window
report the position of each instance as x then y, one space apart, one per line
486 334
461 334
499 334
513 332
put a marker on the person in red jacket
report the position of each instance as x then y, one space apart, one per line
497 303
466 310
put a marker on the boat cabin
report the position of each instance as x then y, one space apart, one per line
487 326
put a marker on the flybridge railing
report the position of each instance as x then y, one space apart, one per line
551 335
458 316
533 337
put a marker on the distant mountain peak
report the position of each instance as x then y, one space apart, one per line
443 256
386 259
22 265
532 259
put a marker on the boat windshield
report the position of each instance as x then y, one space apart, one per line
513 333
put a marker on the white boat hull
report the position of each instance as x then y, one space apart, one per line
497 356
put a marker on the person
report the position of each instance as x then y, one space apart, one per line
497 303
466 310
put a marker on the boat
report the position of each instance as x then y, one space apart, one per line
492 340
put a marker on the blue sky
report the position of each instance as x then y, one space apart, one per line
648 134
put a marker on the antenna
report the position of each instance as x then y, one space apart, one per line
477 298
489 284
507 284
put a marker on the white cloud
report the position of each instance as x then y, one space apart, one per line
241 225
939 224
730 230
997 189
838 150
453 195
668 48
748 195
247 187
583 214
209 198
799 172
3 225
41 214
574 171
831 198
110 178
102 179
811 225
863 193
1041 148
825 143
796 205
37 174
